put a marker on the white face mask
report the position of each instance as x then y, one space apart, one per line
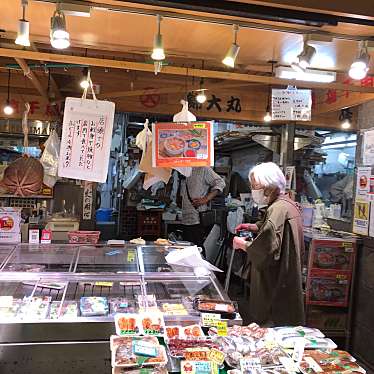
259 198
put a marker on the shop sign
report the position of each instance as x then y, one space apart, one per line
86 139
291 105
215 103
182 144
87 201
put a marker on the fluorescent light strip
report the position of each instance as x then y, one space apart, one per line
320 76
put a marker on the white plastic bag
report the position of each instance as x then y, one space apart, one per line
234 218
143 136
50 158
184 115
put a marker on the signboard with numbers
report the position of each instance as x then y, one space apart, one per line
86 139
291 105
183 144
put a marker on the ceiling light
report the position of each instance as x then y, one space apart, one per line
360 66
60 38
201 97
233 51
304 59
8 109
346 118
23 28
308 75
158 53
85 82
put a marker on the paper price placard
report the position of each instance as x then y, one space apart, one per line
250 365
210 319
216 356
222 328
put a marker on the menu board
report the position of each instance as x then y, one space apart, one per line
86 139
291 105
187 144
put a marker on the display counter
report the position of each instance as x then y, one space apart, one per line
50 290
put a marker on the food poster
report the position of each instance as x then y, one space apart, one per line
86 139
183 144
363 183
368 148
361 217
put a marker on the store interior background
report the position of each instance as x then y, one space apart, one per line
115 43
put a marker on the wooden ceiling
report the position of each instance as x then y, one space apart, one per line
190 44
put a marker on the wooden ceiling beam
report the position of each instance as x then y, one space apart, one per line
174 70
34 80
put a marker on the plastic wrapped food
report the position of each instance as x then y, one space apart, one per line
335 362
153 324
69 310
177 347
253 331
193 332
174 332
10 310
143 370
34 307
174 309
124 351
226 308
147 302
94 306
25 268
120 305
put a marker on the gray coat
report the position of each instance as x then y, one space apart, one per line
275 261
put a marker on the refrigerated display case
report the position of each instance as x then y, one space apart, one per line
66 295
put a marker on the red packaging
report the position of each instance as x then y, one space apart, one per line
328 287
332 254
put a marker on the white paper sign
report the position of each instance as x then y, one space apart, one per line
368 148
291 105
290 178
86 139
371 222
361 217
363 183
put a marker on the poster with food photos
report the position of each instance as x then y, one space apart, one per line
86 139
363 183
189 144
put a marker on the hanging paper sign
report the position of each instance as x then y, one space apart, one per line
290 178
363 183
291 105
87 201
368 148
371 188
86 139
361 217
183 144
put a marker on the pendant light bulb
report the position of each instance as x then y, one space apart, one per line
201 97
158 53
346 118
304 59
346 124
267 117
85 82
8 109
233 51
60 38
360 66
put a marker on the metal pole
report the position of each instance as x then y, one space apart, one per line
287 145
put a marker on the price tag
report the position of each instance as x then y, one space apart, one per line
250 364
143 348
298 351
210 319
222 328
104 284
196 367
130 256
216 356
313 365
221 308
199 126
289 364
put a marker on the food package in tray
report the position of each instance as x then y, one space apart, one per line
173 309
9 307
127 324
69 310
143 370
120 305
147 303
137 351
334 362
184 332
36 307
177 347
287 337
152 323
227 309
94 306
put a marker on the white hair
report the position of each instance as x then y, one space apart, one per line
269 174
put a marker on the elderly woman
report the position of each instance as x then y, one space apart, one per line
275 255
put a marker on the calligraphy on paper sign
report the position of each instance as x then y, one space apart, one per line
87 201
86 139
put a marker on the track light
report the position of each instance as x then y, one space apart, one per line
304 59
233 51
158 53
85 82
360 66
346 118
60 38
23 28
8 109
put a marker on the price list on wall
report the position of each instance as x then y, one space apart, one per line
291 105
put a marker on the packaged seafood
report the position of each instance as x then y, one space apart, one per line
147 302
120 305
152 323
170 309
94 306
227 309
36 307
177 347
69 310
193 332
9 311
174 332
